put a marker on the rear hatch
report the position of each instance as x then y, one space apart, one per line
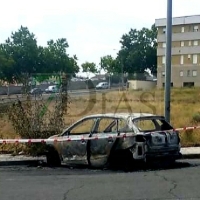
162 140
159 134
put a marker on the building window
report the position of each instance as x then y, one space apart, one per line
181 73
163 44
182 43
182 29
194 73
170 84
188 73
188 84
182 60
164 30
196 28
189 43
195 43
163 73
194 59
163 60
189 56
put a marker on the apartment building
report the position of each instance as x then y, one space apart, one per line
185 51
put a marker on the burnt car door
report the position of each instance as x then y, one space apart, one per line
103 139
74 146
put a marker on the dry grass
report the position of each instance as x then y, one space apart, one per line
184 104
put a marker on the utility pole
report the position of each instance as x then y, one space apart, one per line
168 60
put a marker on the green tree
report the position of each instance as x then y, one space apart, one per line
89 67
112 67
6 63
109 64
23 58
138 51
54 60
22 48
57 58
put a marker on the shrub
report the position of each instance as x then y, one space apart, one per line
196 117
39 118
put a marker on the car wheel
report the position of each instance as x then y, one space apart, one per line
128 162
53 158
122 159
170 162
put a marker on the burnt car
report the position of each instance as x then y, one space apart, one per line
103 140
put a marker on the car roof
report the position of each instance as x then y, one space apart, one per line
123 115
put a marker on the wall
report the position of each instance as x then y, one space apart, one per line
77 85
144 85
17 89
182 31
178 80
12 89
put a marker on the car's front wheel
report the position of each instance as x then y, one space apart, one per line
53 158
122 159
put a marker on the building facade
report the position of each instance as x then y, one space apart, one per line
185 51
141 85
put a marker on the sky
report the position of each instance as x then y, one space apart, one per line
92 28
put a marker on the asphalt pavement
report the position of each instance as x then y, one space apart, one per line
45 96
158 183
23 177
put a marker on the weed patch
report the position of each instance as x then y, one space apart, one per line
185 111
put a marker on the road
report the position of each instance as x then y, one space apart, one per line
5 99
43 183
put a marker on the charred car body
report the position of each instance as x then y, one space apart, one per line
152 138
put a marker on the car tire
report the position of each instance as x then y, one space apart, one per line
53 158
170 162
122 159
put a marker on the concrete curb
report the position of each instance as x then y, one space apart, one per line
20 162
191 156
9 160
36 162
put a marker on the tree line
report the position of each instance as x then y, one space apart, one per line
21 56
